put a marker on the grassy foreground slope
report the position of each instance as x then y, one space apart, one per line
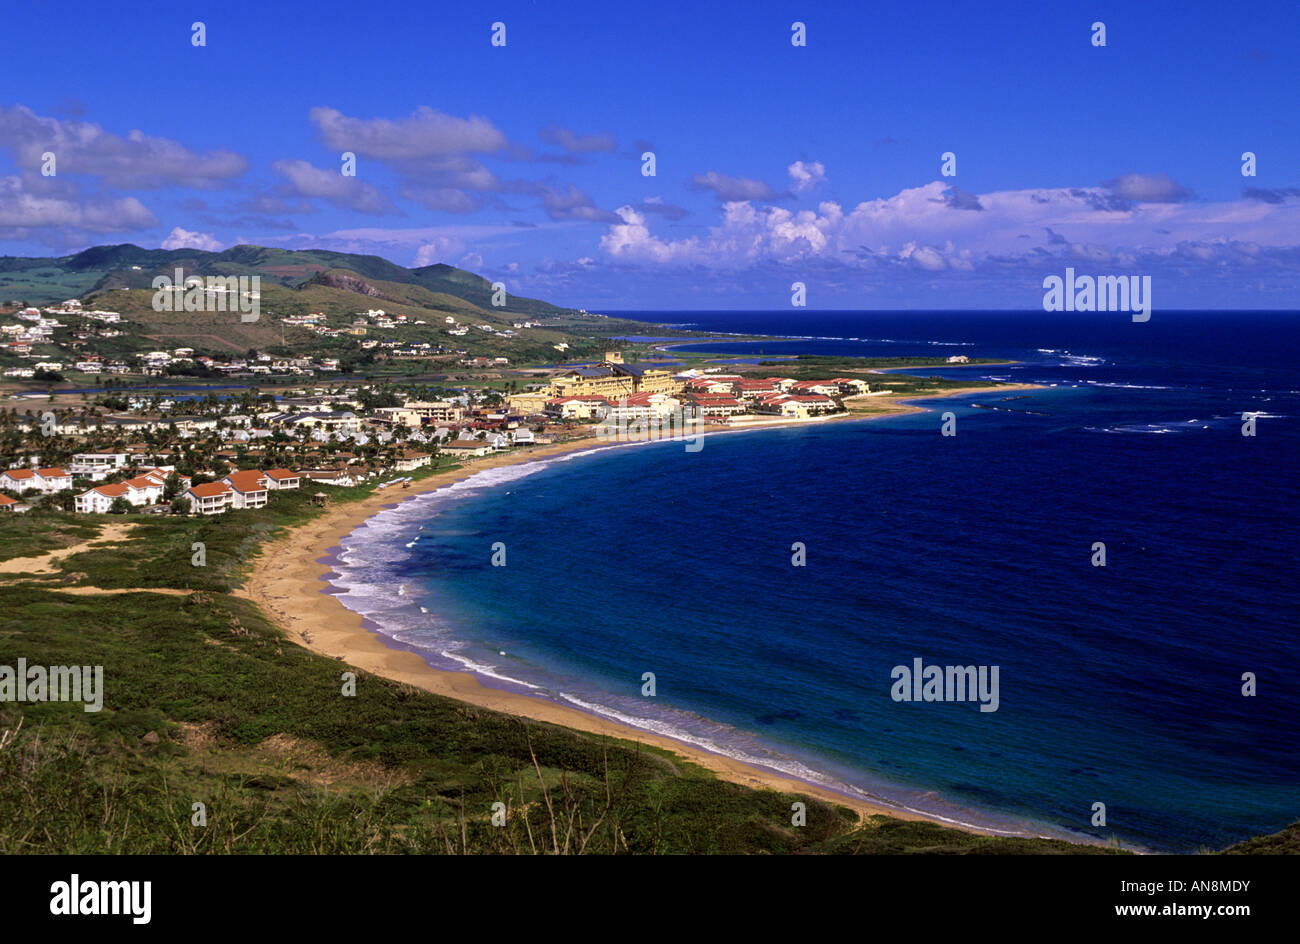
208 702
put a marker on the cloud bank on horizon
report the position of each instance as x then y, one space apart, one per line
963 200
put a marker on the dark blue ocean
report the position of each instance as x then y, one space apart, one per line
1119 685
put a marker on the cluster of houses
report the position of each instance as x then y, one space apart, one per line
460 330
376 318
362 323
317 430
139 491
243 489
157 363
726 395
42 481
615 389
247 488
36 327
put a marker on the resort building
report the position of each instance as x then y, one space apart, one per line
11 505
142 490
592 381
99 499
709 405
395 416
160 475
642 406
45 481
650 379
526 404
277 479
436 411
710 385
412 461
795 406
747 389
211 498
613 379
578 407
825 388
97 465
145 489
248 489
466 448
417 412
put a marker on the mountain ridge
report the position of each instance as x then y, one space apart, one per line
51 279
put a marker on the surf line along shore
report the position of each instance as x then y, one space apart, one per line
288 577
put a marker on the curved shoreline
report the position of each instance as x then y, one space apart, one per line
289 582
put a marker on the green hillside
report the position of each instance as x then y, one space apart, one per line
43 281
343 286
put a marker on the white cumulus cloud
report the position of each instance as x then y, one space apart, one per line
183 239
805 176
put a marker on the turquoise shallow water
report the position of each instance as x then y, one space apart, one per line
1118 685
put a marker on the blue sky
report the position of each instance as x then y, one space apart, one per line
774 163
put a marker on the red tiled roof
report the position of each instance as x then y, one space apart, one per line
6 500
209 489
116 490
279 474
19 473
53 472
248 480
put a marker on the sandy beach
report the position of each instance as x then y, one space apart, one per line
286 583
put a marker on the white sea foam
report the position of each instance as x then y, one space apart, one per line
1165 428
480 668
771 761
1098 383
678 733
